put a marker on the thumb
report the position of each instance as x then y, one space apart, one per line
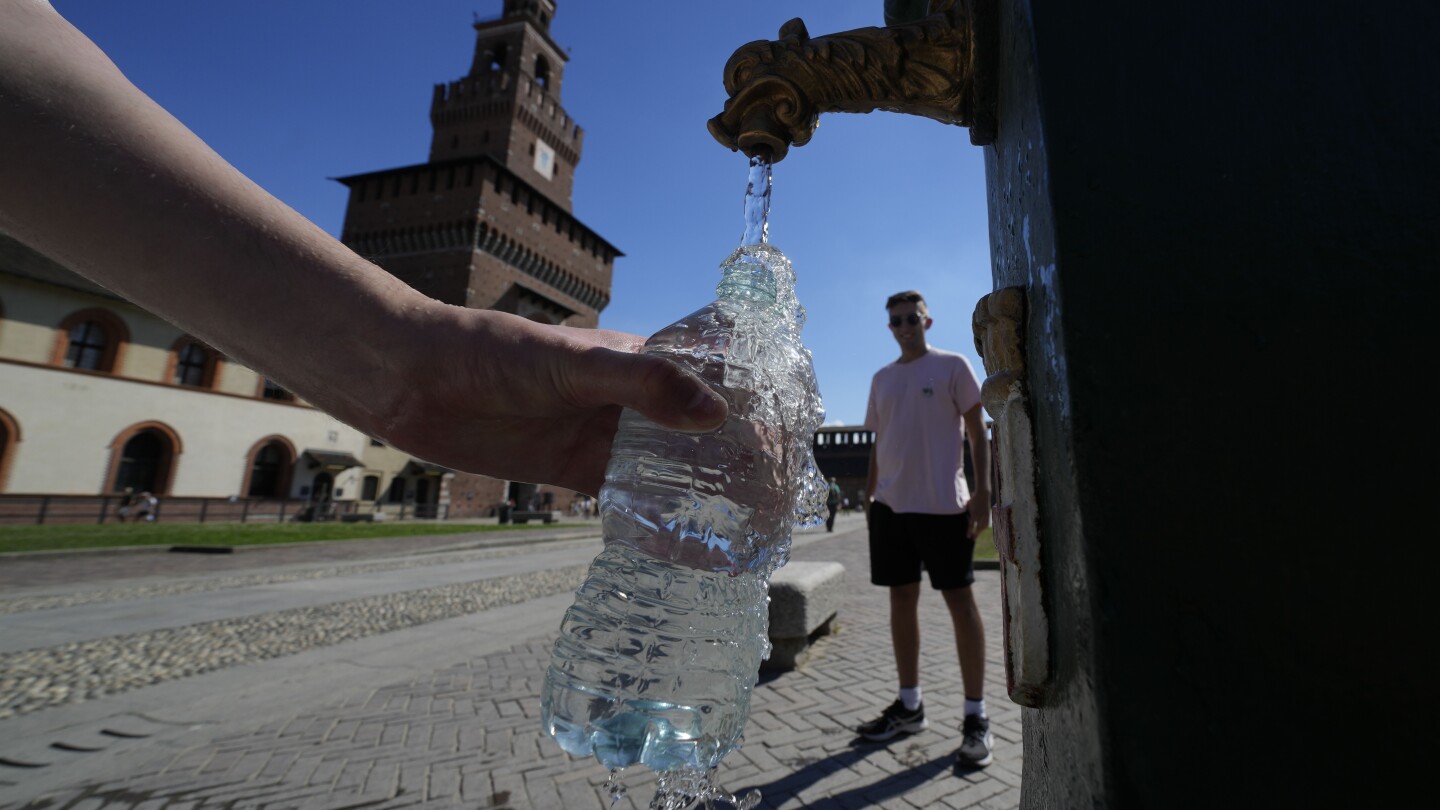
659 389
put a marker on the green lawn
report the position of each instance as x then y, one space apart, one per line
985 546
81 536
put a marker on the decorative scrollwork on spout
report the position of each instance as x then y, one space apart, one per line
929 67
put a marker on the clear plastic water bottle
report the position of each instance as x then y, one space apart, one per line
657 657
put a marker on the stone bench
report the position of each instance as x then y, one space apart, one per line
804 598
525 517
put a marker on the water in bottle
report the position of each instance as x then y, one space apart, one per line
657 658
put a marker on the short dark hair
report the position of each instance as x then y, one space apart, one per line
907 297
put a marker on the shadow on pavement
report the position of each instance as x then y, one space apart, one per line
775 793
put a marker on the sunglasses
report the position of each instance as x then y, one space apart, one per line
913 319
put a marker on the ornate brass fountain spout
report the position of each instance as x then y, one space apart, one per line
941 66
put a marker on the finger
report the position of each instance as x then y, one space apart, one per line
660 390
610 339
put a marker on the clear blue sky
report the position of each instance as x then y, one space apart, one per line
294 92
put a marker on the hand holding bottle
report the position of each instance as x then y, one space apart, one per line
97 176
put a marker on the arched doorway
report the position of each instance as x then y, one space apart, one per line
321 489
144 461
268 468
9 437
143 457
522 493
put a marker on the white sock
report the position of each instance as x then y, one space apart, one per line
910 698
975 707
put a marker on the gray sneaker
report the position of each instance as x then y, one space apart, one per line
976 751
896 719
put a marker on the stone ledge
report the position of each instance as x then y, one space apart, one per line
804 599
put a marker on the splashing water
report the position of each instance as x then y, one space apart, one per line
685 788
614 787
689 787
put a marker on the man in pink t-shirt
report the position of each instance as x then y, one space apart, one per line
922 516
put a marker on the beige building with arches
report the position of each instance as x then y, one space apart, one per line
98 395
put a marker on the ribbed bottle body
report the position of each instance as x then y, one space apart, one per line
658 655
655 663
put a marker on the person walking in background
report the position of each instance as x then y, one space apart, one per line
921 515
832 502
127 503
148 506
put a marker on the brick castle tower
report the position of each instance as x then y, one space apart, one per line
486 222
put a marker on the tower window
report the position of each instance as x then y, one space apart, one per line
542 72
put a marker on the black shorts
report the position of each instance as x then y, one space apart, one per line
904 542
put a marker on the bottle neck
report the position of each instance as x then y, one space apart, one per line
747 278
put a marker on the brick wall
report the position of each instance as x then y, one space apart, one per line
473 496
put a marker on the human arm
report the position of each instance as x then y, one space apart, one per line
871 478
979 505
96 175
872 475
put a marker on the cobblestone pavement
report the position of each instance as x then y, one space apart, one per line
466 734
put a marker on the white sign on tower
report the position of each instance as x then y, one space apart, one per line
544 159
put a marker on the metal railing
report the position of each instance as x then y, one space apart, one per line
48 509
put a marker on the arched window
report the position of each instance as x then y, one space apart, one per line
497 57
542 72
268 467
193 364
91 340
269 389
190 363
87 346
9 437
143 458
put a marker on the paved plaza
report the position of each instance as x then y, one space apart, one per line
407 673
